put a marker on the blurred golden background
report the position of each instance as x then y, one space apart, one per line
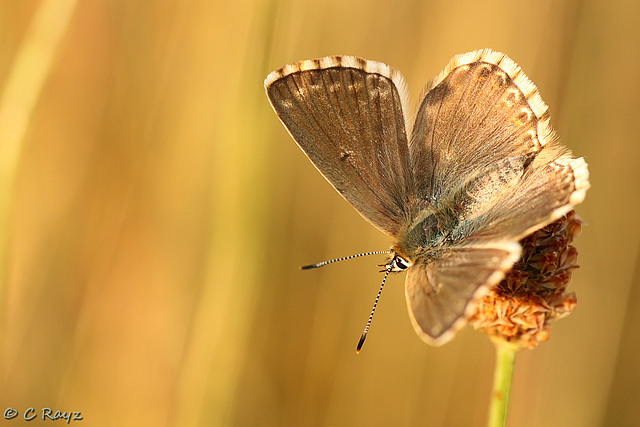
154 213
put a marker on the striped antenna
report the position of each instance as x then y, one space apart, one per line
373 310
320 264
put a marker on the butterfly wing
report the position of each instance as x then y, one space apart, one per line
548 189
348 115
480 110
482 145
439 291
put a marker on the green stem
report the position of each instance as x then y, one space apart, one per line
505 355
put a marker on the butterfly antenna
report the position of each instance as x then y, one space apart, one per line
373 310
320 264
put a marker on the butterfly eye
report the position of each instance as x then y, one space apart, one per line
399 264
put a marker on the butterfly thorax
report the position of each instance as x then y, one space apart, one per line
428 235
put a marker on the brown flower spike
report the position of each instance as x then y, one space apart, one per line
532 294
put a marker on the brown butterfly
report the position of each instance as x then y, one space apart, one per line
478 169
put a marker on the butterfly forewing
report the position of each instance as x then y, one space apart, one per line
347 116
473 116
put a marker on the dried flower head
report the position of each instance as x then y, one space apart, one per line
532 294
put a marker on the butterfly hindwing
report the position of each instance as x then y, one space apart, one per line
548 190
439 291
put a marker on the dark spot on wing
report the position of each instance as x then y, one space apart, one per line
344 155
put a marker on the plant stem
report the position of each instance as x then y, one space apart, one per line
502 376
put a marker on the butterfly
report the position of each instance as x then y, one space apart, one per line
456 185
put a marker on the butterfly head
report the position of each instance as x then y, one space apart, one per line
397 263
